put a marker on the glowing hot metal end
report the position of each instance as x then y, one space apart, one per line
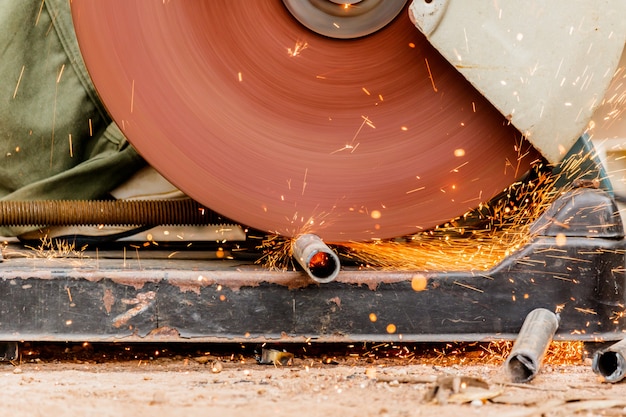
317 259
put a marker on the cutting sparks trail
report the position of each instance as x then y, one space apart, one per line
19 80
352 146
54 112
478 240
306 172
430 75
297 49
132 96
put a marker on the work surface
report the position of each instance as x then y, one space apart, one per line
187 386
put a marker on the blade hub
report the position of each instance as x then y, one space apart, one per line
345 19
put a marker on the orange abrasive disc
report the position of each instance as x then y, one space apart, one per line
268 123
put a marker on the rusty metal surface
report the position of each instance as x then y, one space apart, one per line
284 130
161 299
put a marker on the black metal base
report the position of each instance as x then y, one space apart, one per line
97 299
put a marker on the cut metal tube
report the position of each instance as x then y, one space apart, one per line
531 345
319 261
611 362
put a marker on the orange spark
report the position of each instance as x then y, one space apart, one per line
430 75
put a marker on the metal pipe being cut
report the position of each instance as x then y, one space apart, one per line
611 362
319 261
531 345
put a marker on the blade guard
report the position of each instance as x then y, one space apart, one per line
543 65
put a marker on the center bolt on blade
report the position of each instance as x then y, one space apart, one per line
345 19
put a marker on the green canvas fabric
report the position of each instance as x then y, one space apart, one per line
56 139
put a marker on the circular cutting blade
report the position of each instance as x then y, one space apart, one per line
284 130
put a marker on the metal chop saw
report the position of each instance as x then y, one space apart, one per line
328 121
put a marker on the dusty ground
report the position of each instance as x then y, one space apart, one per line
86 380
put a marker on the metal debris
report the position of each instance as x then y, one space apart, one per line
216 366
275 357
531 345
460 389
610 363
202 360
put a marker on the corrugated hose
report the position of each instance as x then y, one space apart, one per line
107 212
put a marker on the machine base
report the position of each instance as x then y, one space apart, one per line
100 298
135 299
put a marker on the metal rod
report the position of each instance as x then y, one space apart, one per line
317 259
611 362
531 345
107 212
